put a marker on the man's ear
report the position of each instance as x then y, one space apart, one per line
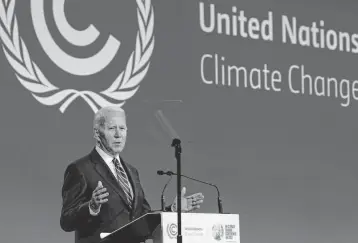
95 134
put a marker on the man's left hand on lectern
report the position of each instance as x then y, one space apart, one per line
188 203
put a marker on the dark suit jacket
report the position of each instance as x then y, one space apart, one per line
81 178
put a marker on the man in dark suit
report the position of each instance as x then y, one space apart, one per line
101 192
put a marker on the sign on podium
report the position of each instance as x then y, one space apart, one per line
162 227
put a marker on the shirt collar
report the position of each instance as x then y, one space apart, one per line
106 157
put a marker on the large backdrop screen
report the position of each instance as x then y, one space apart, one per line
263 94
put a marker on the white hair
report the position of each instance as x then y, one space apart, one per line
101 115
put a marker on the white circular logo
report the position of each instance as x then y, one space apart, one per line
31 77
172 230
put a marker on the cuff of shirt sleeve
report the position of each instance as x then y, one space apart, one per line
94 212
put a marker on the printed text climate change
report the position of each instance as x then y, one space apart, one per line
215 69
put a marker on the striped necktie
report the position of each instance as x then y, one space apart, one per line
123 180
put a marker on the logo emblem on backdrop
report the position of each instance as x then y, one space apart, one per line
31 77
172 230
218 232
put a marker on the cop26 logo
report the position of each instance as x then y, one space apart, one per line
31 77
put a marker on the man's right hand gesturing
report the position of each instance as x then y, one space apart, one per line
99 197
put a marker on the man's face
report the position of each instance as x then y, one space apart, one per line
114 133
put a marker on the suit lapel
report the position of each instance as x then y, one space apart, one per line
104 171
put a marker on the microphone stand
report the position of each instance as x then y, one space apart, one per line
176 144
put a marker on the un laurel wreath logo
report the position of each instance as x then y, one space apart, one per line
31 77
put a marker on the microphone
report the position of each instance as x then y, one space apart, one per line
219 201
169 173
160 172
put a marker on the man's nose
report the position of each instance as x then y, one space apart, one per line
118 133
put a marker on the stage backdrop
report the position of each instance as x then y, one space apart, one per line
262 93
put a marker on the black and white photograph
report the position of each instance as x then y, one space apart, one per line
179 121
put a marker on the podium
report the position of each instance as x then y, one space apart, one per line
162 227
